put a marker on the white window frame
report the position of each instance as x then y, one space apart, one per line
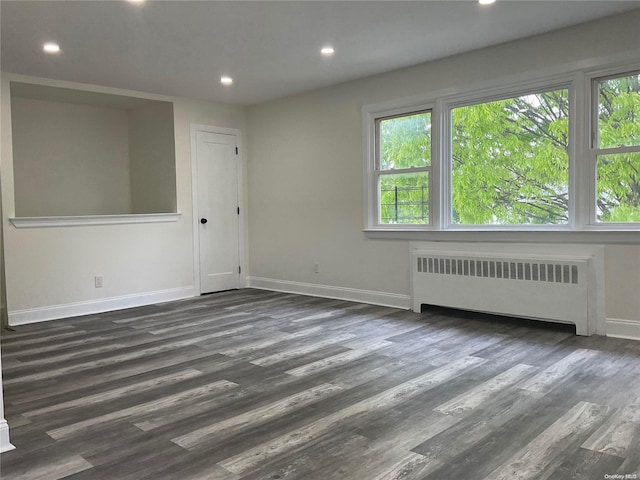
592 151
373 171
580 79
379 172
476 98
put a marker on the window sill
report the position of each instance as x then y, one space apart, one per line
621 236
84 220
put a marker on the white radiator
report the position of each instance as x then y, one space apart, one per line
536 286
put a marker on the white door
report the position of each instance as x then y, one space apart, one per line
218 211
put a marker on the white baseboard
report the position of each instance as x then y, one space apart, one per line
5 445
42 314
620 328
327 291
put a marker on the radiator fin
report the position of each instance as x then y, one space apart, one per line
526 270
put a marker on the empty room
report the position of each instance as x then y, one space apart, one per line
320 240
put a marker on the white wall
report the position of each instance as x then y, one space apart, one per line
305 173
5 443
70 159
50 270
622 270
3 296
152 159
4 427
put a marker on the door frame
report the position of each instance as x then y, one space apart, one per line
242 283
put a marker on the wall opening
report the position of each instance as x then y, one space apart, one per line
78 153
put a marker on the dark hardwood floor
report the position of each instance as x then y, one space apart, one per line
257 385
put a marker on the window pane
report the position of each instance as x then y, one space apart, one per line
618 188
405 142
510 162
404 198
619 112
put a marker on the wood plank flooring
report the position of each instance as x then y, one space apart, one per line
255 385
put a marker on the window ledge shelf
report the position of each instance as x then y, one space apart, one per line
612 236
84 220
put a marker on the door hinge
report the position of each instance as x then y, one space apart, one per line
239 269
236 150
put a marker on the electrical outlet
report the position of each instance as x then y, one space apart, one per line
99 281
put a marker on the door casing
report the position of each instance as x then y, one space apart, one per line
194 188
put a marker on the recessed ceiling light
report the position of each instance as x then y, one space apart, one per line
486 2
226 80
51 47
135 1
327 51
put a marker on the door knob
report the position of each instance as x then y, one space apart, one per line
203 221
